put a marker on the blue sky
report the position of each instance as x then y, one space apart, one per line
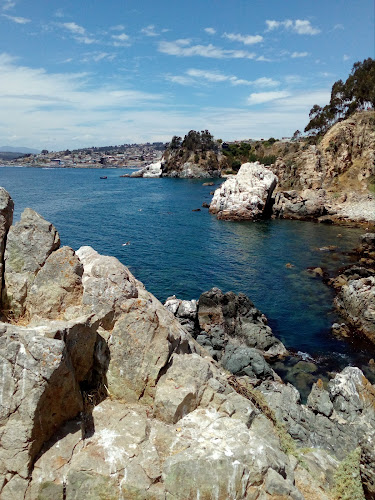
89 72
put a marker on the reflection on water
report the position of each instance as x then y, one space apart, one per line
175 250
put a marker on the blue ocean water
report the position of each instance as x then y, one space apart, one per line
175 250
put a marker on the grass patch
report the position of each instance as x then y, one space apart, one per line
348 485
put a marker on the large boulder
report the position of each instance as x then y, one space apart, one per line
57 289
152 170
356 302
228 316
107 285
307 204
41 370
6 219
30 241
246 195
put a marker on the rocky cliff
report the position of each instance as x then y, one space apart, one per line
105 395
336 176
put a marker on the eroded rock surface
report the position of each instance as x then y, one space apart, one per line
6 219
246 195
105 394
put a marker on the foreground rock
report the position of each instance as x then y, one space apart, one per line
105 394
356 303
246 195
6 219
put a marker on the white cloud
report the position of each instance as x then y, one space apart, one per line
122 38
210 31
262 97
59 13
58 111
7 4
18 20
338 27
74 28
299 26
183 48
149 30
345 57
265 82
98 56
118 27
296 55
197 77
245 39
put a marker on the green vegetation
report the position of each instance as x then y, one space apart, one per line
348 485
237 154
355 94
194 141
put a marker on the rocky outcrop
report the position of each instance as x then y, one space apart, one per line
6 219
304 205
231 329
356 303
105 394
191 164
30 241
246 195
342 164
150 171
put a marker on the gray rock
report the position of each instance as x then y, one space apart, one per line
319 400
246 361
107 285
57 288
30 241
6 219
355 301
226 316
307 204
141 344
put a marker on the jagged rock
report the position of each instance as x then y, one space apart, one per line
246 195
57 287
140 346
6 219
185 311
319 400
180 390
30 241
107 285
308 204
356 302
152 170
224 316
246 361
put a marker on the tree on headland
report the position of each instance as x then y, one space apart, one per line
355 94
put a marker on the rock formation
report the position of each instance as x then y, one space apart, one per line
152 170
342 165
246 195
104 394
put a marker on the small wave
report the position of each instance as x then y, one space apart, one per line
305 356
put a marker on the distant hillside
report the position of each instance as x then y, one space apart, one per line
18 149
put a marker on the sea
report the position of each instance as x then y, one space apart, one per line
160 231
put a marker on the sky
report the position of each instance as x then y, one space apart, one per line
94 73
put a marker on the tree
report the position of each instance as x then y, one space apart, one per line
44 151
296 136
175 142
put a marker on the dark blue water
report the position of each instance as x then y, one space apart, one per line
174 250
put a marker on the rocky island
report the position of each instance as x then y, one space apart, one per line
106 393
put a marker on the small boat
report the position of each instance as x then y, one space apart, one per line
104 177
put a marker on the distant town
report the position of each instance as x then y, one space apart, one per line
126 155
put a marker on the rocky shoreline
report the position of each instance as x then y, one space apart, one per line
106 393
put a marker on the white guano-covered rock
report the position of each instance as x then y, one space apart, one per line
152 170
246 195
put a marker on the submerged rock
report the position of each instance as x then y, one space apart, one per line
246 195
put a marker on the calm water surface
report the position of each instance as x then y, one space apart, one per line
174 250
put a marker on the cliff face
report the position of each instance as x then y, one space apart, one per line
104 394
341 166
190 164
